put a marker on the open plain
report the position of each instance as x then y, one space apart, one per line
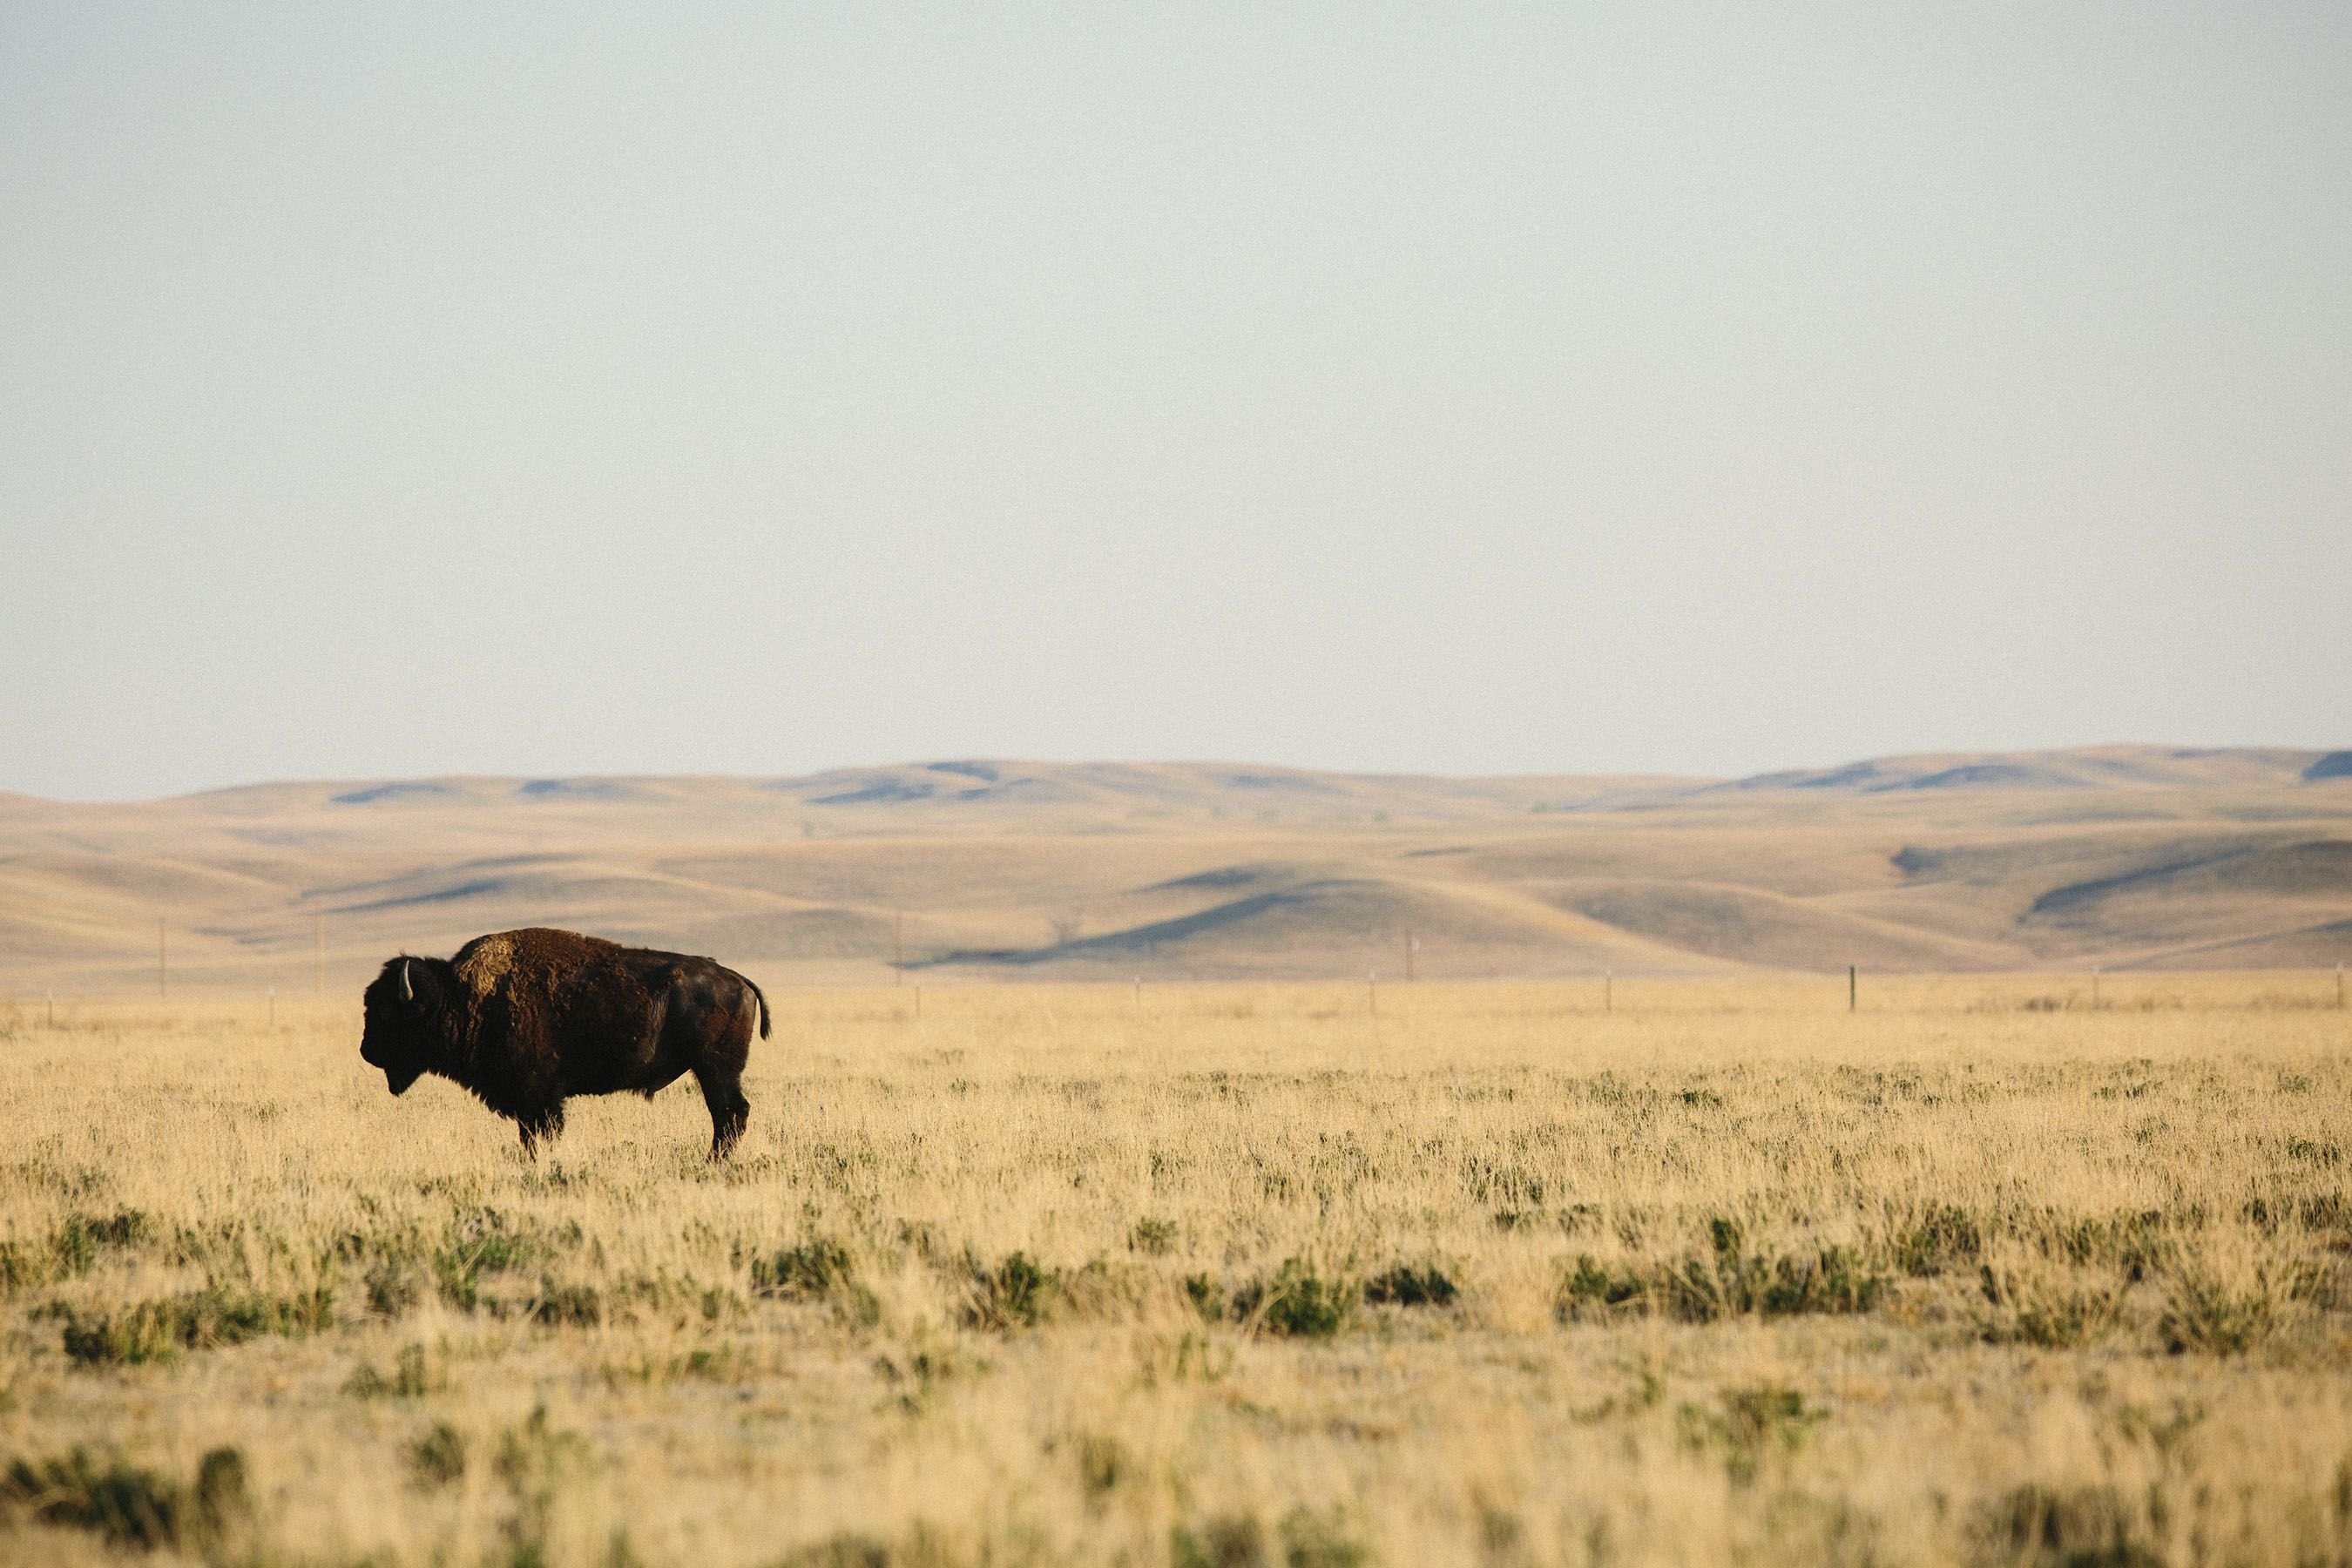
1700 1269
1056 566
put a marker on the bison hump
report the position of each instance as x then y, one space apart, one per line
486 962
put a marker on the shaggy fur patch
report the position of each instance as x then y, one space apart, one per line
491 960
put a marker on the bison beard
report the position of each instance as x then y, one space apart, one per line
524 1019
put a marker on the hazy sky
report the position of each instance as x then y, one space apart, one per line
406 389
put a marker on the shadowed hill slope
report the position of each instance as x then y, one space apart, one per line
2108 855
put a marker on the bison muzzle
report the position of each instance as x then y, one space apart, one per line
525 1019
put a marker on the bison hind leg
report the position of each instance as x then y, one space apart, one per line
546 1122
729 1111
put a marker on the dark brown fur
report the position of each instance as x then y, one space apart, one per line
525 1019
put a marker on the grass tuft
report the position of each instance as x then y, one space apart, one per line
2203 1314
438 1457
2037 1309
1749 1426
411 1378
70 1250
1306 1539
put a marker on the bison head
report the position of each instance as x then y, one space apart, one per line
400 1035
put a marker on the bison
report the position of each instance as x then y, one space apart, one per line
524 1019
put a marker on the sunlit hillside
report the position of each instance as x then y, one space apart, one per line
2110 857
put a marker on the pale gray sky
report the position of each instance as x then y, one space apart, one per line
542 389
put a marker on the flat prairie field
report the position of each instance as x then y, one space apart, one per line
1987 1272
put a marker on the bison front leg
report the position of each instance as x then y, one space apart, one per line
546 1122
723 1093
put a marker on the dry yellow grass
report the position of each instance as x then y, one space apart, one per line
1229 1275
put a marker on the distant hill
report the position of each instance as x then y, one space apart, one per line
2083 767
2114 855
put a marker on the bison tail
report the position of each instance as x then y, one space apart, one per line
763 1001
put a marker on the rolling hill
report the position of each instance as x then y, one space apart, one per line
2116 857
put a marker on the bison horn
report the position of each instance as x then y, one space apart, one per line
407 992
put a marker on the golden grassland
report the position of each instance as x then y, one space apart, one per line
1986 1272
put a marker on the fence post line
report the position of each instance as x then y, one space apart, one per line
1852 988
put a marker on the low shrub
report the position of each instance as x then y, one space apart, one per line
159 1329
1732 1282
1589 1288
1405 1286
130 1505
1298 1301
1944 1237
1306 1539
852 1549
534 1456
808 1271
1155 1236
813 1270
393 1285
2136 1243
483 1242
1016 1293
1105 1464
567 1305
2084 1527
